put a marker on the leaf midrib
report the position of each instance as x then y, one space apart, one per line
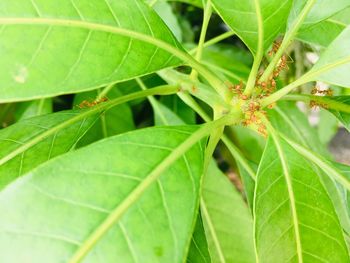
212 231
288 178
152 177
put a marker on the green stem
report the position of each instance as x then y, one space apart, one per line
162 90
282 92
205 24
40 107
288 38
105 91
259 54
214 40
153 176
196 88
236 153
329 101
214 81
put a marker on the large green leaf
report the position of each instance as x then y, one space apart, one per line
227 220
36 138
242 17
334 64
291 122
50 47
126 178
30 142
295 218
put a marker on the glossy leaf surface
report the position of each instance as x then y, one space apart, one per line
35 34
88 185
241 16
24 145
227 220
334 64
295 218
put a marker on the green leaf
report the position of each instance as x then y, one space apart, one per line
334 64
33 141
198 252
178 107
227 220
324 9
197 3
320 11
336 193
295 218
97 38
248 182
343 117
114 121
226 61
164 116
30 109
325 165
321 34
327 126
288 119
128 174
242 17
165 11
249 142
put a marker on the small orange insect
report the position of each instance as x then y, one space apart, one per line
88 104
275 46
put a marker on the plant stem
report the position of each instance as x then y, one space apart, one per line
134 196
214 40
105 91
214 81
331 103
284 91
288 38
199 51
236 153
259 54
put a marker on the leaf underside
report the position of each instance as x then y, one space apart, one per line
74 193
